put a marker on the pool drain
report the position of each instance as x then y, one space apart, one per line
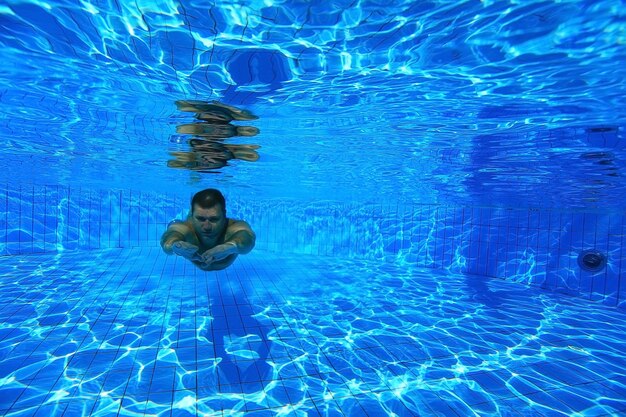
591 260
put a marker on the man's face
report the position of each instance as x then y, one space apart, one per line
208 223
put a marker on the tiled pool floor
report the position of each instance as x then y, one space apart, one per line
134 332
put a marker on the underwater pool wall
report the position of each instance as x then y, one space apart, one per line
529 246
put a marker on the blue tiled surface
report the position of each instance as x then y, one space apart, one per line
530 246
134 331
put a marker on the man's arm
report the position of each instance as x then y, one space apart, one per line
178 239
174 233
241 235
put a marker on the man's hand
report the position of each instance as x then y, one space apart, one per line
218 253
186 250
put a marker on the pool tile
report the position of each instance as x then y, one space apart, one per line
417 353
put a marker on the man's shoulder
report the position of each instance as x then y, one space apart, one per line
179 226
235 225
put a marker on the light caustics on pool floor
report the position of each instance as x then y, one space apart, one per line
133 332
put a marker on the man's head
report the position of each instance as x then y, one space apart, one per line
208 213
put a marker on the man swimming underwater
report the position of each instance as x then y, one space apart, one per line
208 238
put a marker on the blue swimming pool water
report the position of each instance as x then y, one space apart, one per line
427 102
133 332
428 174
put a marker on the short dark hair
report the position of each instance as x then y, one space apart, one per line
208 198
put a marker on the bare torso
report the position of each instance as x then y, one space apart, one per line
190 236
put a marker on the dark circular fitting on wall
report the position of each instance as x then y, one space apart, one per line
591 260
